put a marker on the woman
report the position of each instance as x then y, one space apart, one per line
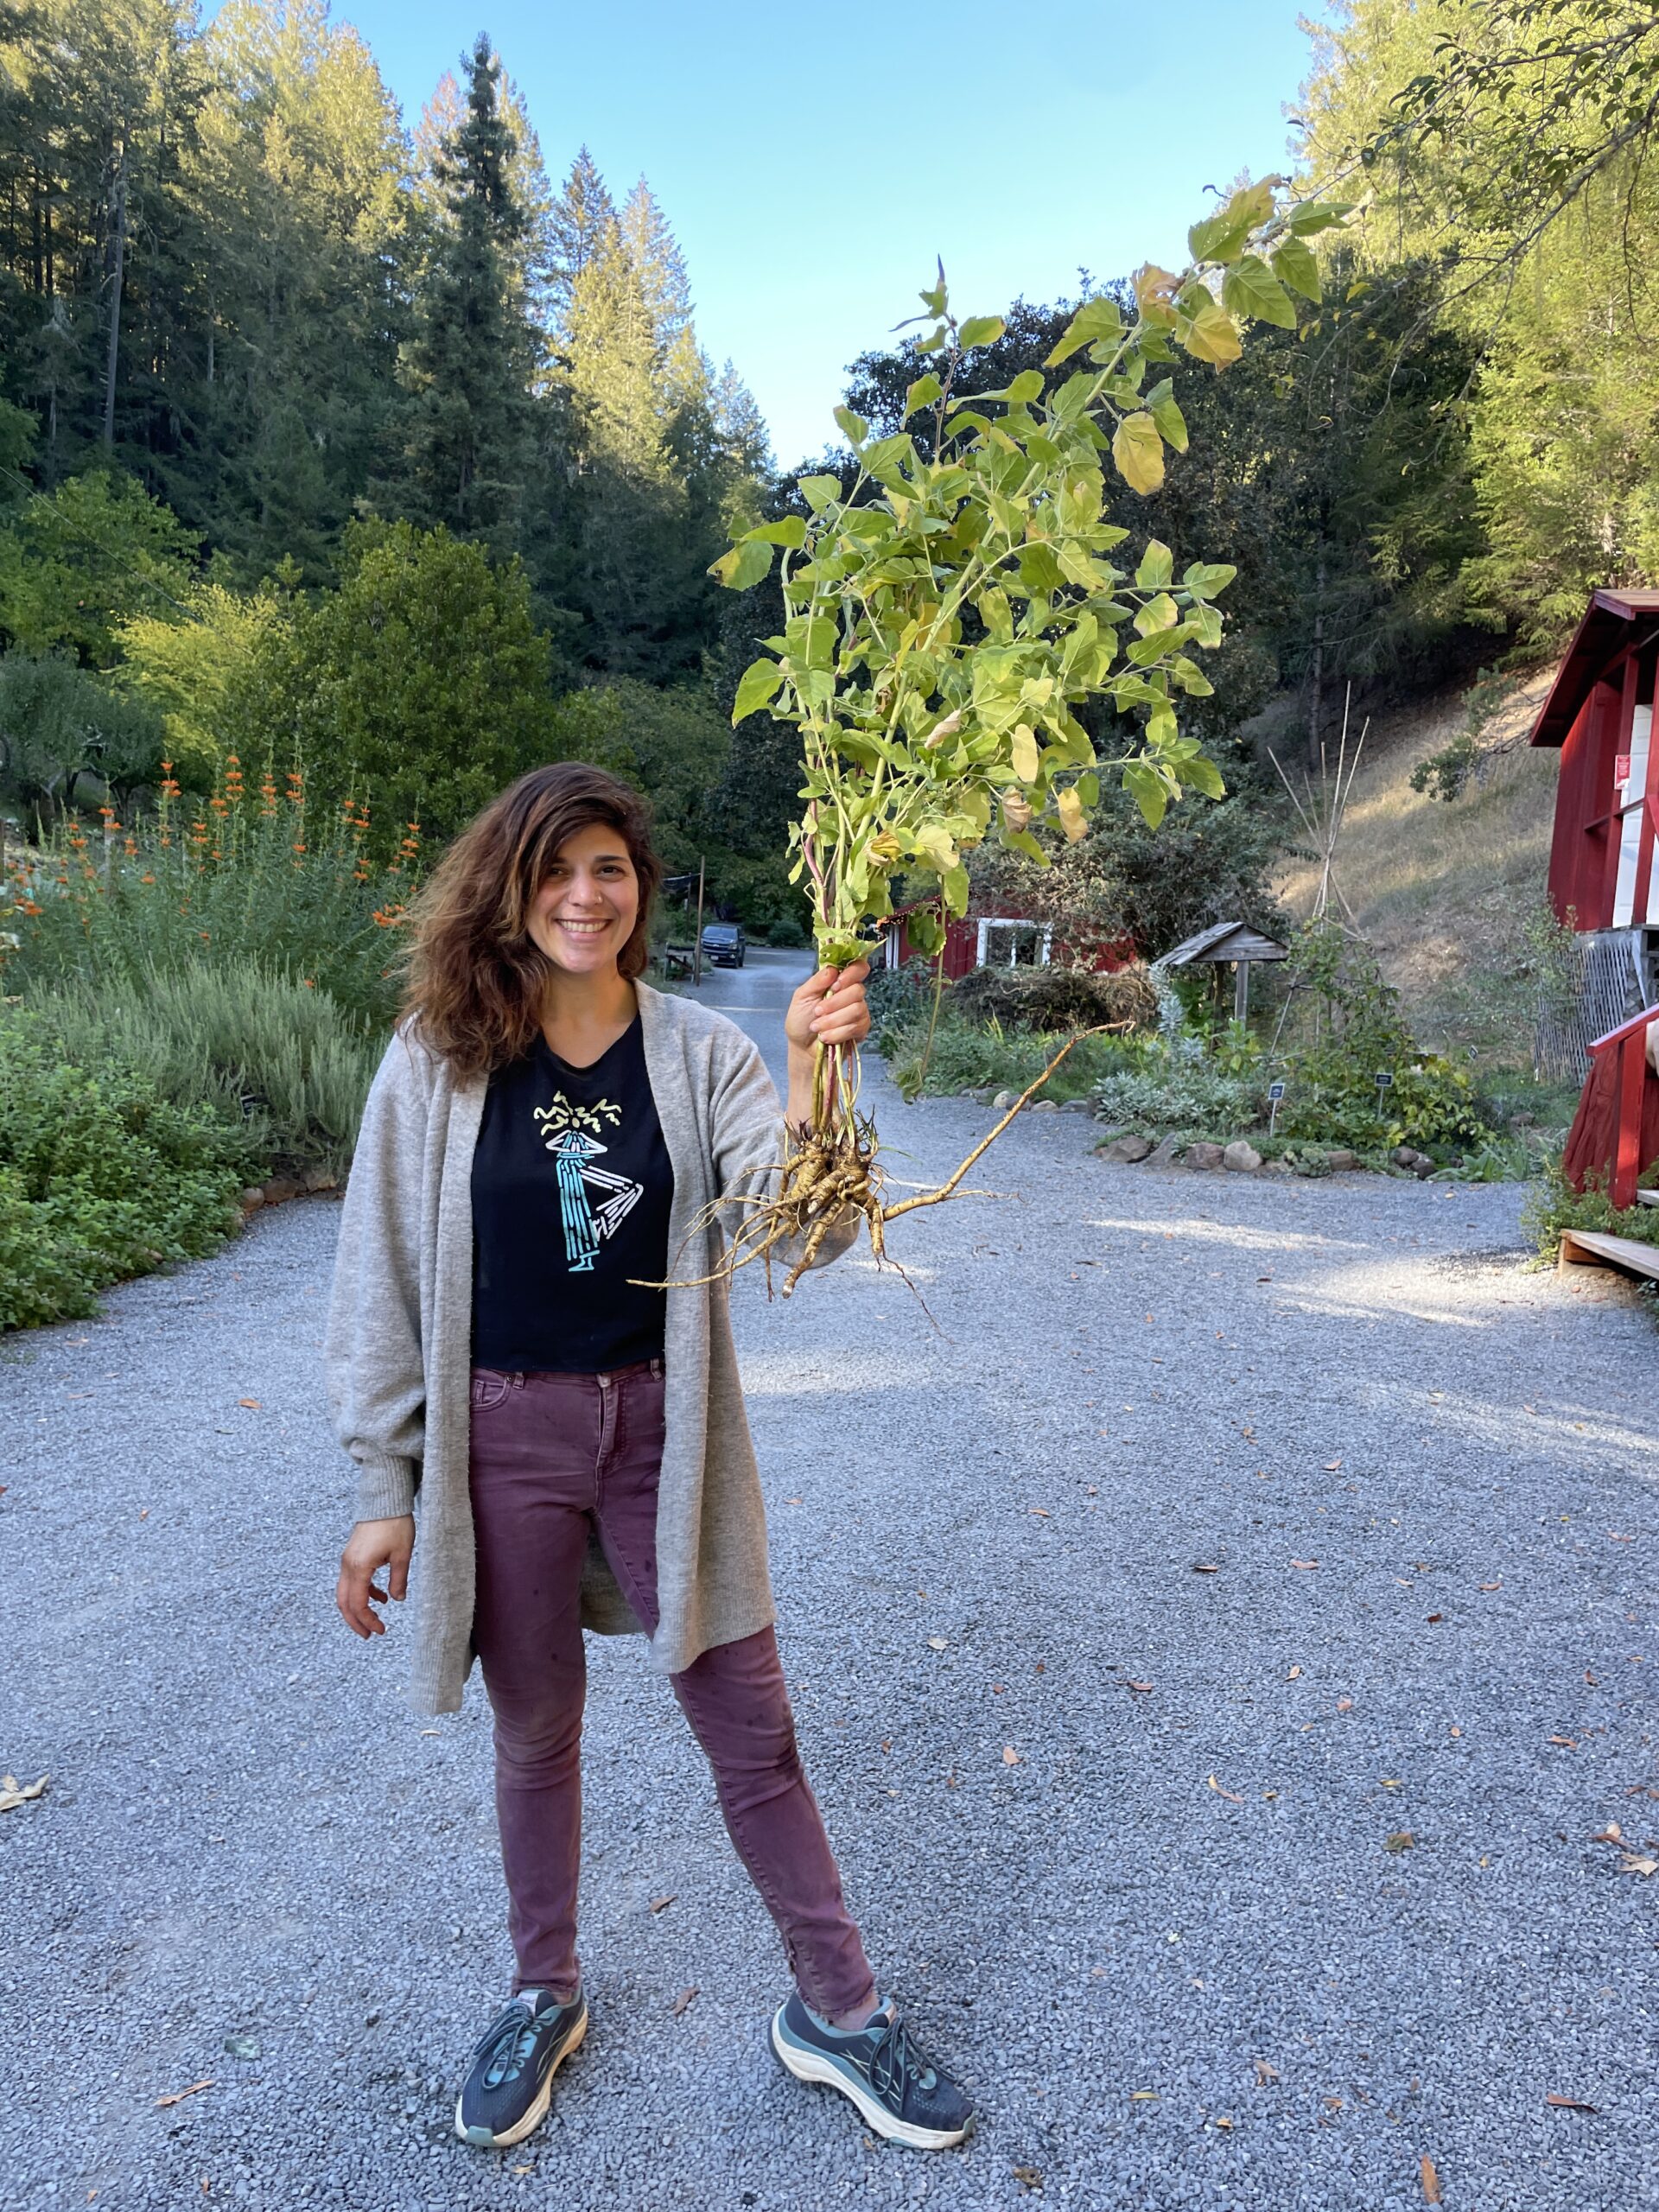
543 1143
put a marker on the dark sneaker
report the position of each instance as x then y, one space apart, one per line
880 2068
509 2083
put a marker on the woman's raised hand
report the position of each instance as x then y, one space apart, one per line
371 1546
829 1009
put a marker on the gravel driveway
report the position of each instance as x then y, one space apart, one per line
1221 1530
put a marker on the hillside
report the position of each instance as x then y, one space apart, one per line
1444 889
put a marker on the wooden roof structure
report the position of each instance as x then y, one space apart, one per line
1605 626
1226 941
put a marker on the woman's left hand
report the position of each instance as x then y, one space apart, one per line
829 1009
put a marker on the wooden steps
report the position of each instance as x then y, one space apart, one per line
1594 1248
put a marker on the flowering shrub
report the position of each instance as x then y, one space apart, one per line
248 874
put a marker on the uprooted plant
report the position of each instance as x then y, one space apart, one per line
947 615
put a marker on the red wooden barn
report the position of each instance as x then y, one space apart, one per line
997 937
1604 879
1599 713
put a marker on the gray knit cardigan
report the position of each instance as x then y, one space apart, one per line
398 1345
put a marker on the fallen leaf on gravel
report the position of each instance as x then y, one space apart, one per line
1010 1756
242 2046
179 2095
1609 1835
682 2000
1206 1569
938 1643
1389 1781
1402 1839
1028 2176
1266 2071
1569 2104
1294 1672
1435 1616
788 1501
661 1904
1038 1512
1456 1731
1134 2094
1571 1742
12 1793
1140 1686
1492 1585
1231 1795
1431 2180
1304 1562
1618 1539
1591 1679
1344 1704
252 1404
1632 1864
1221 2121
523 2170
1331 1466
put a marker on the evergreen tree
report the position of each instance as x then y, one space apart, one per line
582 217
468 444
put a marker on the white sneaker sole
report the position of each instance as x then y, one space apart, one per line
537 2113
809 2066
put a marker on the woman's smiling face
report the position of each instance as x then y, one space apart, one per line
585 908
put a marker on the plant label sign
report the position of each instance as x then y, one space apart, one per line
1276 1092
1382 1079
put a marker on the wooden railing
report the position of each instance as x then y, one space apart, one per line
1630 1043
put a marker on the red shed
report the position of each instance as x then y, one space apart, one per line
1599 713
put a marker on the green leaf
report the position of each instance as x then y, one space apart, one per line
1309 216
954 883
1160 613
1203 776
746 564
1146 788
1039 568
935 841
1157 566
818 491
853 427
922 393
1025 764
1094 320
1139 452
1206 626
1223 236
1171 424
1026 386
757 684
980 330
1293 264
1208 579
1212 335
791 531
1250 288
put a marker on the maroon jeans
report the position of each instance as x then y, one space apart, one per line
554 1457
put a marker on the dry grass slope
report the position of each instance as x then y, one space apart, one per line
1443 889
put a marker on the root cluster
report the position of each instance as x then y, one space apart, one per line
830 1176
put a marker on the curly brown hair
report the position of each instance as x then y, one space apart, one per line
475 978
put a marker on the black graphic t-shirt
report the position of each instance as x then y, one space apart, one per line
571 1190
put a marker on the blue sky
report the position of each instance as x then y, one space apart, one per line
813 159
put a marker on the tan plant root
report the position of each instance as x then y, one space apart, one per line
830 1175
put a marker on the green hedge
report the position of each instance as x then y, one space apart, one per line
101 1177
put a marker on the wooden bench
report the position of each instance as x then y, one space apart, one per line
1594 1248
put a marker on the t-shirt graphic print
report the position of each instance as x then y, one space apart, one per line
571 1191
592 1201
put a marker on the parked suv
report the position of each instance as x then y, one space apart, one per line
724 944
